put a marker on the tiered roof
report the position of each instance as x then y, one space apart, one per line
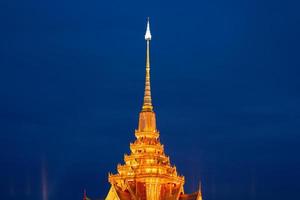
147 173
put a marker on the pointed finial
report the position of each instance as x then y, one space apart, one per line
148 33
84 194
147 106
200 186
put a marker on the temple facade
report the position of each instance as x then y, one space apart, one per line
147 173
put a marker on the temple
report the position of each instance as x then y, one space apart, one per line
147 173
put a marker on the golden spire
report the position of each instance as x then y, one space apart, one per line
147 106
147 172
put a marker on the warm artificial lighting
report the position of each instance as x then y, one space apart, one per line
147 173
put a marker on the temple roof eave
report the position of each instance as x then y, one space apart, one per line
147 134
164 178
133 157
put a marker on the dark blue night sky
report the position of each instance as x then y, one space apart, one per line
226 90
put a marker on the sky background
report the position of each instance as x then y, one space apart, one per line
225 86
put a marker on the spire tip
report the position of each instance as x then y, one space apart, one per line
148 33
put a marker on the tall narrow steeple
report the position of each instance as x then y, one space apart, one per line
147 172
147 121
147 106
84 195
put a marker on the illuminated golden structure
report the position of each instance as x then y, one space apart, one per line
147 173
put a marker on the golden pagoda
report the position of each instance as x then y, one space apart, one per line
147 173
